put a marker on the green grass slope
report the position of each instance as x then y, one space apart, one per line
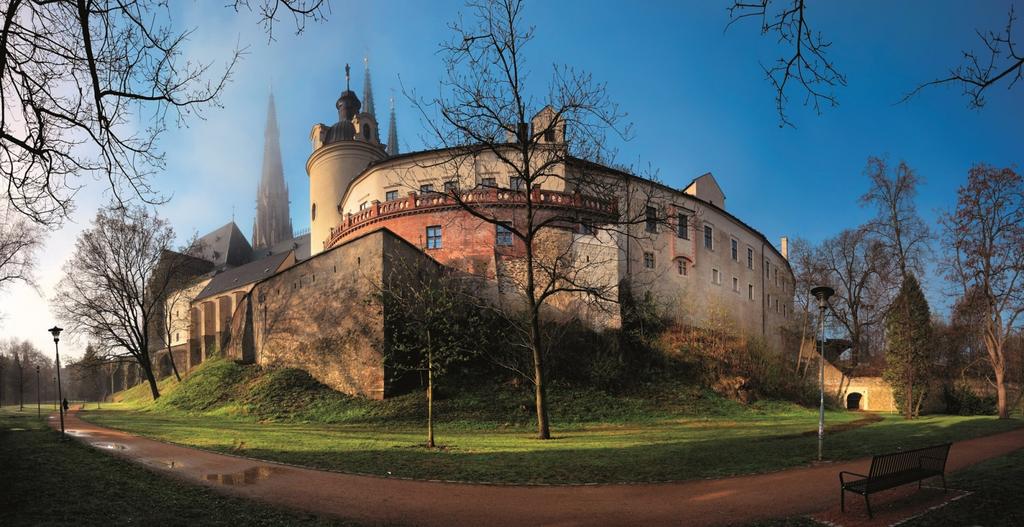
223 387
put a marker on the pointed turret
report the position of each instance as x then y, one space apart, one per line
368 89
392 148
273 221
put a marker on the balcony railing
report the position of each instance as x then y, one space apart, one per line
480 197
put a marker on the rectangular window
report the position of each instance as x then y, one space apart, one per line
516 183
364 205
776 277
683 226
716 277
428 187
750 291
735 246
785 310
450 186
549 135
652 219
587 229
649 260
750 258
391 195
488 182
709 238
681 266
736 284
502 234
767 266
434 237
776 304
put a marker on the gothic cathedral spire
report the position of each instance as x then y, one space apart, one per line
392 148
367 89
273 222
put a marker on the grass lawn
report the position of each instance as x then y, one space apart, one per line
49 482
673 433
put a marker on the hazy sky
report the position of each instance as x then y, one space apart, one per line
695 93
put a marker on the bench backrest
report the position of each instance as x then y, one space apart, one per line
932 458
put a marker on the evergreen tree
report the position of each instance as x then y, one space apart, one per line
908 333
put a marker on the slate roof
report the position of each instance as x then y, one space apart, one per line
299 244
240 276
226 247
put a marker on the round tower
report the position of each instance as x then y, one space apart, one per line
340 153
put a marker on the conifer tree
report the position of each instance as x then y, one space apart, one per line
908 334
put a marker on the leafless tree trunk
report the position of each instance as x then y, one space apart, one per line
984 237
116 282
546 147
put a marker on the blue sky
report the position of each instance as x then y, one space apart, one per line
695 93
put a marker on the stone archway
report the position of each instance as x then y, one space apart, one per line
853 401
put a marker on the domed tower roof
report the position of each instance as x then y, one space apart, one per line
348 107
348 104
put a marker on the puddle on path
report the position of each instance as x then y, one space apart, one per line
110 446
248 476
16 429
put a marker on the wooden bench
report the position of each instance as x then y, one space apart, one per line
893 470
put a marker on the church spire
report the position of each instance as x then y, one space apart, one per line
273 220
392 148
367 89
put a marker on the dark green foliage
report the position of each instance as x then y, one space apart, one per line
908 349
961 400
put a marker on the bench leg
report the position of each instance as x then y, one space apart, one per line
944 488
842 500
868 503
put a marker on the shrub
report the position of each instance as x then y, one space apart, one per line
960 399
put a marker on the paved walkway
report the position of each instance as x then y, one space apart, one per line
729 501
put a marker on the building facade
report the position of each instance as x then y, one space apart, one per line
604 228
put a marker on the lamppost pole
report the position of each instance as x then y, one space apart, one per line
39 405
822 293
55 331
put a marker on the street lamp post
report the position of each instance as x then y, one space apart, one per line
54 381
55 331
39 405
822 293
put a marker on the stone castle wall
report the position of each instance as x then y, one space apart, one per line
324 316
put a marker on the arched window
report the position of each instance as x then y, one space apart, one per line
312 212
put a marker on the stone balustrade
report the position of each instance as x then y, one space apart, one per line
479 197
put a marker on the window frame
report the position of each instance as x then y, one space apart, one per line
649 261
503 230
682 226
651 220
434 241
390 195
709 237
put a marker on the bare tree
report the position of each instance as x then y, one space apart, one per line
985 239
807 273
88 87
857 266
19 242
805 67
490 114
116 282
902 232
999 61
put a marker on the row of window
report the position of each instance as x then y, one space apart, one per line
502 236
716 278
515 183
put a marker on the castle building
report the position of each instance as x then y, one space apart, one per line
373 209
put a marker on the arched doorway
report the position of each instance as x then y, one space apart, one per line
853 401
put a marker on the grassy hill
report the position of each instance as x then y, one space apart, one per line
222 387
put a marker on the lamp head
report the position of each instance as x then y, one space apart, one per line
823 293
55 331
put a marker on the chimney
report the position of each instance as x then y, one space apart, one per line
784 247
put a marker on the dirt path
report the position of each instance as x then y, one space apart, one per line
373 500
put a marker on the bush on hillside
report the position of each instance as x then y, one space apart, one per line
960 399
